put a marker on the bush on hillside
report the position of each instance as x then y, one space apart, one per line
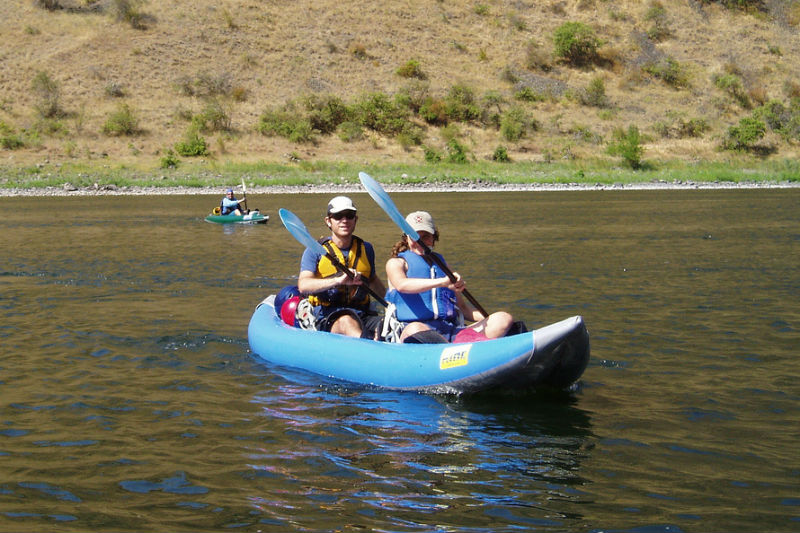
515 124
9 140
785 120
731 83
48 93
501 155
123 121
193 144
576 43
460 103
627 144
745 134
286 122
669 71
379 112
434 111
411 70
325 113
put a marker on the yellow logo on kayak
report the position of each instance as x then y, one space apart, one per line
454 356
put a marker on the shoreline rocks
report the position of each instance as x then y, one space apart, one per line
68 189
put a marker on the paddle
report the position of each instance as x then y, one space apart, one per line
298 230
244 192
382 198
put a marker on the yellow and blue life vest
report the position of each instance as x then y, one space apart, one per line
343 295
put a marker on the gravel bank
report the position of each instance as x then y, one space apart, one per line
69 190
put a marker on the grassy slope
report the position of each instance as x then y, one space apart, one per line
278 51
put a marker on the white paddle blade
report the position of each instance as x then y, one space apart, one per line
382 199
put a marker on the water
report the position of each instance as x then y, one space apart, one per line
129 399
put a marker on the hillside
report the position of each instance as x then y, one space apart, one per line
166 61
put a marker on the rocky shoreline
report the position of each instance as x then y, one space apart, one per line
112 190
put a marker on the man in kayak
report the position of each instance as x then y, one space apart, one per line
341 304
425 298
229 204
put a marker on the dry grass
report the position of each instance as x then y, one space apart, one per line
270 52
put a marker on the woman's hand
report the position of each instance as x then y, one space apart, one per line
459 285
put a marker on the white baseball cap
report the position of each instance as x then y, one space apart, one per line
339 204
421 221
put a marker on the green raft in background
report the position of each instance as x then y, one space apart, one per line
253 217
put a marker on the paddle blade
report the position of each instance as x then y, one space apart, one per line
298 230
382 199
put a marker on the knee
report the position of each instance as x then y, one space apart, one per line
347 325
411 329
498 324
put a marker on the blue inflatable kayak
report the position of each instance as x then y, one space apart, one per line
554 356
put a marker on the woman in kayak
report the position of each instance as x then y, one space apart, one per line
427 301
341 305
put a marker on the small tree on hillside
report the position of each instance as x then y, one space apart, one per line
576 43
627 144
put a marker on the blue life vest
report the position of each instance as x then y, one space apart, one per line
439 303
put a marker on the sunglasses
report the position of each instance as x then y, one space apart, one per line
349 215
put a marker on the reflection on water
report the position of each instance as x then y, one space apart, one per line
131 402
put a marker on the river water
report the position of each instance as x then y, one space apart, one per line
130 401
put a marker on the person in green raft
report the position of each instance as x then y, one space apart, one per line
425 298
229 204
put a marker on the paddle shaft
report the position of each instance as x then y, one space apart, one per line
441 264
347 272
244 192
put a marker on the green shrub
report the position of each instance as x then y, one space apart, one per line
48 94
413 95
193 144
460 104
515 123
411 135
669 71
785 120
657 15
11 141
694 127
411 70
121 122
432 155
627 144
501 155
325 113
595 94
745 134
456 152
492 108
350 131
576 43
433 111
286 122
169 159
528 94
731 83
215 116
378 112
